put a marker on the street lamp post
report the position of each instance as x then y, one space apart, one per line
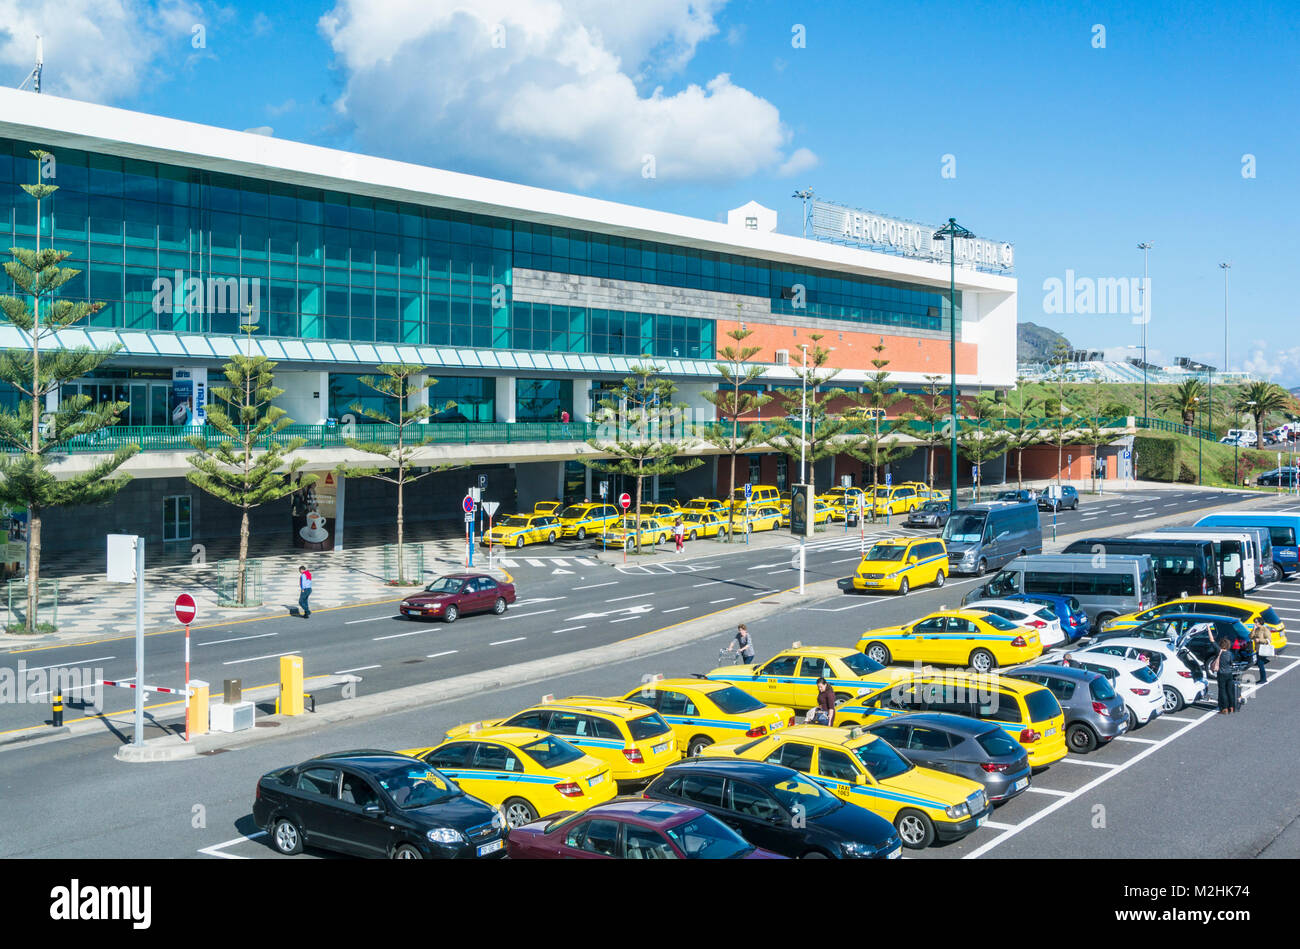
803 476
1200 442
950 232
1146 318
1225 267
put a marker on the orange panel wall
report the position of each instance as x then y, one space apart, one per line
854 350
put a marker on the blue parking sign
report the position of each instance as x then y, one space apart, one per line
749 490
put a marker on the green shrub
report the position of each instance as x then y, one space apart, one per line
1156 457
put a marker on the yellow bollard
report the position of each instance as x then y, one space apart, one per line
196 716
290 685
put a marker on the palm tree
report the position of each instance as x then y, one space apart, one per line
1258 400
1182 399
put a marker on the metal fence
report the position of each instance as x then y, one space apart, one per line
228 583
47 602
1162 425
412 564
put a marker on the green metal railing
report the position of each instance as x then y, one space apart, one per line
1162 425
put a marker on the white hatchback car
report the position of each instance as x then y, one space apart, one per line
1037 617
1180 684
1130 678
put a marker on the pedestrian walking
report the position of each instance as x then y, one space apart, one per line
1263 643
304 588
1221 666
679 534
743 644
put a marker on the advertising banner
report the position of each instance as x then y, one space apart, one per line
313 511
189 396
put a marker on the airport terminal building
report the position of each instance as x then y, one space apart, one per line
525 304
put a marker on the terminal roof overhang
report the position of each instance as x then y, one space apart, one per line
56 121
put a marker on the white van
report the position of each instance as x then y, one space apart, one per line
1238 551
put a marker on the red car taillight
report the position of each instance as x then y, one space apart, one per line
993 766
1184 673
633 755
1018 641
758 731
1037 624
1099 708
257 796
569 789
1029 736
1140 691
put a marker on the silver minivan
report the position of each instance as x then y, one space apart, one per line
983 537
1105 587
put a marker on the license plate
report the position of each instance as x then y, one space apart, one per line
775 725
894 854
493 847
979 821
1050 732
1021 784
598 779
660 749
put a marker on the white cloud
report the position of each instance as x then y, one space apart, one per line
1280 365
261 130
548 91
95 50
801 160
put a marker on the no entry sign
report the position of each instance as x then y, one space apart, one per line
185 609
625 499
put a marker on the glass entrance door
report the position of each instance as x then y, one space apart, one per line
176 518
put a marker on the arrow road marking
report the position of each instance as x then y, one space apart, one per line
640 608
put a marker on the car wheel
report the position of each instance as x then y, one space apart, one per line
518 812
550 538
982 568
1173 700
663 538
1132 721
814 855
982 661
696 745
452 612
878 652
1103 619
1075 505
940 579
903 587
1081 738
499 606
519 541
407 852
692 537
915 828
582 533
286 837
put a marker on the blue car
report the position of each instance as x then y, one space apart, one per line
1074 621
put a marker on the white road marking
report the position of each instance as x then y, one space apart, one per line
764 592
414 632
707 583
592 586
233 662
435 655
213 850
60 665
368 619
568 629
846 560
356 669
237 639
1136 516
841 609
502 642
998 826
1090 764
586 561
1141 741
624 619
532 562
634 596
676 609
1052 791
1174 718
520 615
725 599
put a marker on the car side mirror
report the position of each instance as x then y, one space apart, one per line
912 559
373 810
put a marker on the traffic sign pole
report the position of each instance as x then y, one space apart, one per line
187 681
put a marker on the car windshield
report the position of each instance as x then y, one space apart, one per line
515 520
410 786
732 701
997 743
799 791
444 585
707 838
891 552
1042 705
861 665
1101 690
697 518
575 510
881 760
647 726
551 752
964 528
934 507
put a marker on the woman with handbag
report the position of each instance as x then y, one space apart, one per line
1263 642
1221 668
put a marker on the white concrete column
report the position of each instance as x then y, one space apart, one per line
582 406
419 395
505 398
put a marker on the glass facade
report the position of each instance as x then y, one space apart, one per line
475 398
543 400
347 389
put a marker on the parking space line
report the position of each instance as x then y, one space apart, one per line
1090 764
1173 718
1052 791
764 592
213 850
368 619
1143 741
997 826
841 609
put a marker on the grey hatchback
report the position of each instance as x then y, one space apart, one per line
1094 713
963 746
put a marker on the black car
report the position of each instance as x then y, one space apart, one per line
1020 496
1278 477
1197 633
777 808
1068 501
966 747
375 804
930 514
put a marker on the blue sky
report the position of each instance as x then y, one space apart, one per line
1075 153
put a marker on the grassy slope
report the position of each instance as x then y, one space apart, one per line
1131 395
1216 459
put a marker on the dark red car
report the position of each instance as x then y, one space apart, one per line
633 828
451 596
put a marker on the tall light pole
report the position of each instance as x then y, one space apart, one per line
805 195
1225 267
1146 318
803 478
1199 441
950 232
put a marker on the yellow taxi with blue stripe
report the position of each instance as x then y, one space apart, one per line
821 513
896 500
764 518
759 495
547 507
516 530
703 712
790 677
898 564
1026 711
648 531
1249 612
579 520
974 638
704 506
526 773
634 741
696 524
864 769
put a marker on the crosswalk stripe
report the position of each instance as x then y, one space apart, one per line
532 562
587 563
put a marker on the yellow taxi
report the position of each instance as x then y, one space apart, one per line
972 638
843 509
516 530
701 712
704 506
579 520
838 494
705 524
764 518
821 513
898 564
864 769
547 507
1249 612
760 494
668 509
896 500
648 531
790 677
526 773
784 503
1026 711
632 740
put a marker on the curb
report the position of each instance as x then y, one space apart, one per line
63 731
